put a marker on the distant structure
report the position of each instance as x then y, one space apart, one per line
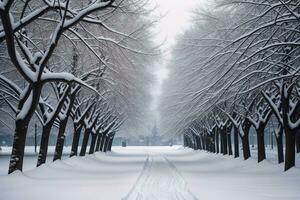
154 130
155 139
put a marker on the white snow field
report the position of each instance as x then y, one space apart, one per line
156 173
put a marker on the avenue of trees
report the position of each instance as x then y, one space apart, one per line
237 69
79 66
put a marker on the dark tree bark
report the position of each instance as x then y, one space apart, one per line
295 117
63 123
260 126
93 143
236 142
245 138
17 155
44 144
32 94
298 142
48 126
60 140
261 152
85 141
190 142
224 133
110 143
211 143
75 141
246 147
234 125
98 142
290 151
213 139
206 142
217 140
199 142
279 137
195 146
104 138
202 141
21 128
195 141
228 135
106 143
229 144
184 140
284 117
221 141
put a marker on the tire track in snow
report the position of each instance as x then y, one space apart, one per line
159 180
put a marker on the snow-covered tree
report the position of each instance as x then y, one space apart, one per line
64 51
226 66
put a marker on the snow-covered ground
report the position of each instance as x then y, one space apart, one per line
164 173
214 177
159 180
30 160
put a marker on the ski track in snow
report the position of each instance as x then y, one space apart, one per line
159 180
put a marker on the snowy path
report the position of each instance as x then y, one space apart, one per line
142 173
159 180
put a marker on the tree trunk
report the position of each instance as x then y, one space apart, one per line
213 145
60 140
44 145
104 138
63 125
280 146
298 142
217 141
246 146
261 152
199 142
206 142
184 140
225 151
106 144
47 129
98 142
222 141
190 142
93 143
21 128
202 142
17 154
229 143
195 142
245 138
195 146
289 149
236 143
110 143
85 142
75 141
290 134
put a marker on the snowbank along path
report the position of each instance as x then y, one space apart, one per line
159 180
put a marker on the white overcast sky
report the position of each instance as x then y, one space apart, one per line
176 19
